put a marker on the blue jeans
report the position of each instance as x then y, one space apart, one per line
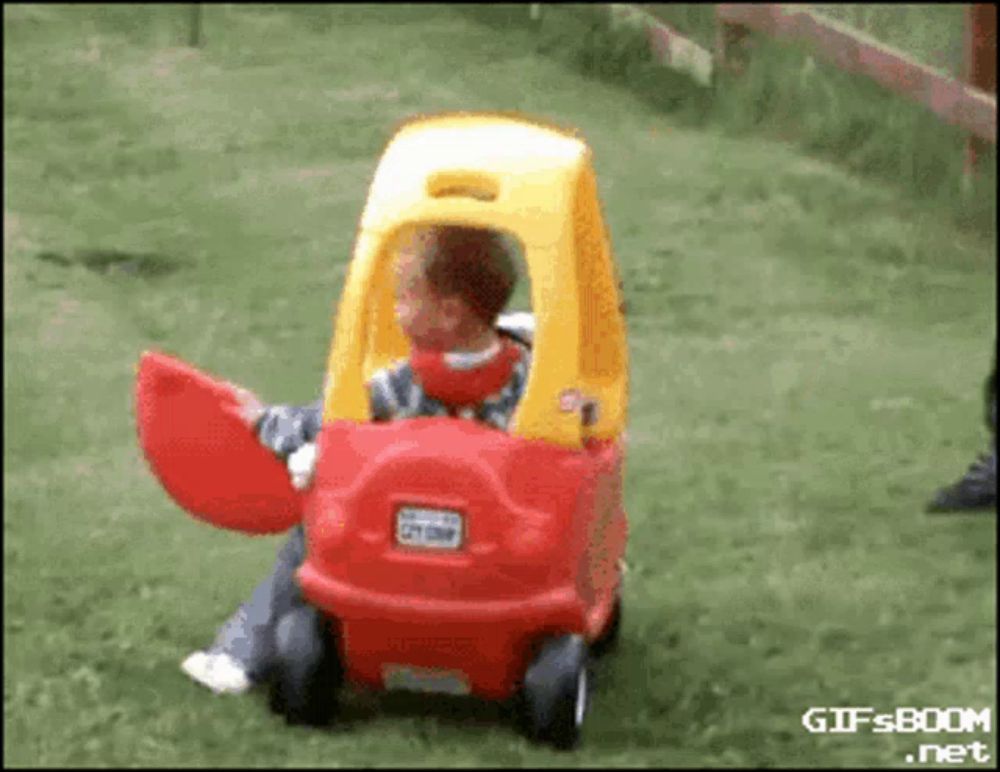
248 635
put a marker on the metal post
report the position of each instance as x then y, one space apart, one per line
194 38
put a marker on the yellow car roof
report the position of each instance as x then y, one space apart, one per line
537 183
519 170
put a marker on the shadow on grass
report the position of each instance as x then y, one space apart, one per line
146 265
634 692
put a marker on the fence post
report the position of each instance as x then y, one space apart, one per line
194 36
980 66
730 43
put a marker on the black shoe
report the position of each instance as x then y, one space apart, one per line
976 490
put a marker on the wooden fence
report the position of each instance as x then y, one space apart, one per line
963 104
970 104
981 64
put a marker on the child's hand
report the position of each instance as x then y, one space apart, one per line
301 465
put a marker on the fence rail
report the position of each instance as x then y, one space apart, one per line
669 47
956 102
968 102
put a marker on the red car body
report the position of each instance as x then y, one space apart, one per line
543 533
543 529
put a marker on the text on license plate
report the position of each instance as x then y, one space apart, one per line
418 679
430 528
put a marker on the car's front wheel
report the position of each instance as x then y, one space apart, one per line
307 672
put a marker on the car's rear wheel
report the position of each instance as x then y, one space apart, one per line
555 695
307 673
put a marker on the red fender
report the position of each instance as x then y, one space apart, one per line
204 454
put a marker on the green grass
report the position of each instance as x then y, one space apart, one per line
807 347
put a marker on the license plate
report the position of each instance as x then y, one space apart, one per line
428 528
418 679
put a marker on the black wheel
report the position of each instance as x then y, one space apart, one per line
307 672
607 641
555 693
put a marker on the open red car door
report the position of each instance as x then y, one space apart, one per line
205 455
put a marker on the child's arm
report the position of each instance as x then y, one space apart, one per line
290 432
283 429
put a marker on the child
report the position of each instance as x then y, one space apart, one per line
453 282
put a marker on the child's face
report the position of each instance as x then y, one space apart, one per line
429 320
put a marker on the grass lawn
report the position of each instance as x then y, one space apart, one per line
807 353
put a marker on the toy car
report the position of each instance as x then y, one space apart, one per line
442 555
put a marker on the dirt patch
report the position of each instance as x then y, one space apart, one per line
314 173
67 312
166 60
92 54
14 235
11 228
368 93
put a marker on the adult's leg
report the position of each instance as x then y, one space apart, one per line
977 488
991 403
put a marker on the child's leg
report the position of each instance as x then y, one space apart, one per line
248 636
246 639
243 648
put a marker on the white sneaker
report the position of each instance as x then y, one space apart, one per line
218 671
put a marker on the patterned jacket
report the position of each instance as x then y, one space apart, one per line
395 394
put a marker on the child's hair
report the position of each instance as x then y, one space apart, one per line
476 264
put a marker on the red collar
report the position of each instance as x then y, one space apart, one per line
466 387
